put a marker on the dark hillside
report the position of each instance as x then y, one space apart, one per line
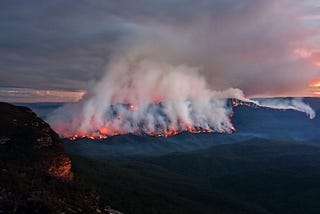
35 171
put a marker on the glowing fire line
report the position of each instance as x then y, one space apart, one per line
105 132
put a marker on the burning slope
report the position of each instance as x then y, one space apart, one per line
162 126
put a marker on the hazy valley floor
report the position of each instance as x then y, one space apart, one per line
256 176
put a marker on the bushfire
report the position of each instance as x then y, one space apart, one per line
160 130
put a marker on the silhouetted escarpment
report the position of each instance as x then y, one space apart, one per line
35 172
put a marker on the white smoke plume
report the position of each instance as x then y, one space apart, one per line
163 78
292 104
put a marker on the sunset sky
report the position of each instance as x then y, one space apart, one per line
53 51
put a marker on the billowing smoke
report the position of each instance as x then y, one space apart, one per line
165 78
144 94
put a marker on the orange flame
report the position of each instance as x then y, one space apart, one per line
105 132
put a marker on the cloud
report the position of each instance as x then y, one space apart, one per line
244 44
27 95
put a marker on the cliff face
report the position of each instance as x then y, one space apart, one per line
35 173
29 141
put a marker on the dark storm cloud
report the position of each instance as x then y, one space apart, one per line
64 44
53 41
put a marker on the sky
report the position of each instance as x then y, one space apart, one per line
56 51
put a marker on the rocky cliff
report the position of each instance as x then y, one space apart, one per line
35 173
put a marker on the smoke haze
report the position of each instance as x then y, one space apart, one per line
175 69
